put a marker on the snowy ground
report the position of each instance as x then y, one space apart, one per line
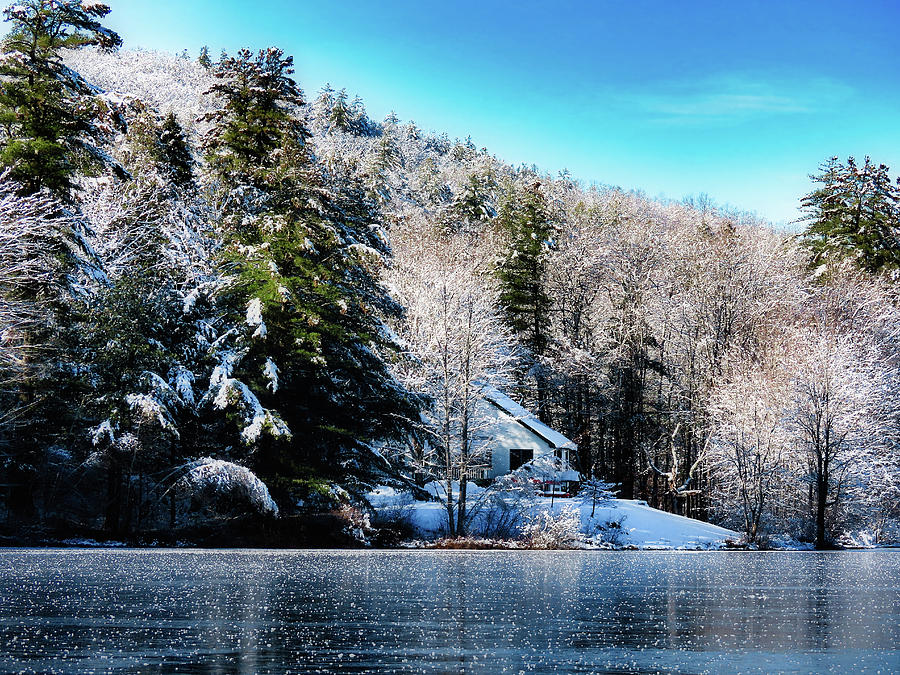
649 528
621 523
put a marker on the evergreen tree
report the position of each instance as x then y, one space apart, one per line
597 491
45 113
128 338
160 144
204 59
305 281
259 96
474 203
326 95
139 338
526 222
175 158
42 254
359 118
384 158
340 116
855 214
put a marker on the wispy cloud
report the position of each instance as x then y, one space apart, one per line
732 98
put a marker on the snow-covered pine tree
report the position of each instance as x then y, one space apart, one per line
473 205
43 252
596 491
854 214
203 59
304 264
360 123
158 146
175 160
141 338
340 118
46 112
526 221
383 160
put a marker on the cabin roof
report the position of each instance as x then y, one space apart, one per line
528 420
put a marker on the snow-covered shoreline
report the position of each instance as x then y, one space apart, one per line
576 522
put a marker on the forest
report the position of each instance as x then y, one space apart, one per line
229 304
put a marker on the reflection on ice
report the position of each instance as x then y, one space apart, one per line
445 611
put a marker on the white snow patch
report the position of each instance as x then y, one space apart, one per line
270 371
184 385
225 476
648 528
102 431
151 410
255 319
438 489
384 496
190 301
235 393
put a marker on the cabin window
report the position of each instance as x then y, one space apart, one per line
518 456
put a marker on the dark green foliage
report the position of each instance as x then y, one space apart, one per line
340 116
526 222
40 251
525 219
385 157
473 205
129 338
44 113
204 59
257 122
853 214
160 144
175 159
335 113
304 263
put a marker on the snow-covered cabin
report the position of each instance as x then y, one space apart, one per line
514 436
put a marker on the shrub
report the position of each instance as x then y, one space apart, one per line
550 530
393 525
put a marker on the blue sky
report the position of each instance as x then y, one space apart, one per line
740 100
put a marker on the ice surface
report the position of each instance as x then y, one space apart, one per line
201 611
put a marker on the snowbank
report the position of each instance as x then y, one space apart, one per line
620 523
647 528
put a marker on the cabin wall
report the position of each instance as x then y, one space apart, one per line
505 433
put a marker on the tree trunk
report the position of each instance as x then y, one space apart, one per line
821 505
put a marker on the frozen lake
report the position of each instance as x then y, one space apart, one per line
190 611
